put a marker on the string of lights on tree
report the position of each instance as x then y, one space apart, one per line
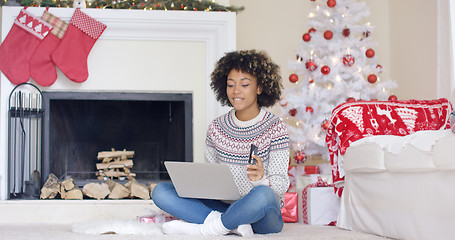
335 63
171 5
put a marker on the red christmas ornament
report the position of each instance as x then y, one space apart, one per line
310 65
392 98
346 32
331 3
325 124
293 78
310 80
306 37
293 112
350 99
311 30
309 109
366 33
325 70
299 157
372 78
369 53
379 68
328 34
348 60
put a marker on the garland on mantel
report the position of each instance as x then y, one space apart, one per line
172 5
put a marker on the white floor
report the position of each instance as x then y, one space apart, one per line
290 231
54 219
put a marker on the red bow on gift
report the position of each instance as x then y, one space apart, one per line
320 183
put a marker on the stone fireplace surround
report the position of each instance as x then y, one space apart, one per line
140 51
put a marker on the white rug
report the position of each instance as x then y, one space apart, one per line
121 227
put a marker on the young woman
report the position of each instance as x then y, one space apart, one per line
246 81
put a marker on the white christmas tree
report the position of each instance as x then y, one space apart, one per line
335 63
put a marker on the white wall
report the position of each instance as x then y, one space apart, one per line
413 47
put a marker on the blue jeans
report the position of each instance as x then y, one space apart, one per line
260 208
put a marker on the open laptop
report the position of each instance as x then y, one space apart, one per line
202 180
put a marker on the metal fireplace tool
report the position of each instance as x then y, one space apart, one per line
25 115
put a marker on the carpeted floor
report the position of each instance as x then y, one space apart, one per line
64 232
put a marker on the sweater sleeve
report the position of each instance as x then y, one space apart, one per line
277 170
209 148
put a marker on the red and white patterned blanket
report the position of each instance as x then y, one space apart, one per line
355 120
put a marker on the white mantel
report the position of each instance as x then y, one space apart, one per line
151 51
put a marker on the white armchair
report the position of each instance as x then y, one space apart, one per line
394 171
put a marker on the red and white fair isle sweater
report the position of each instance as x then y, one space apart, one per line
228 142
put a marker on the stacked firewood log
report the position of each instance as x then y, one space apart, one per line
66 188
108 189
115 164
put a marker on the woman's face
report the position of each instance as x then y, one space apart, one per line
243 90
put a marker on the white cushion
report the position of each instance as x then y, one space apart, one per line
421 151
367 157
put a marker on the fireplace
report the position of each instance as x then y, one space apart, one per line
78 125
140 52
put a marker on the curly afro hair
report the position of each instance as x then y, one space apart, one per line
255 63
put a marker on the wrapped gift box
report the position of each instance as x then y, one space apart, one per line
311 170
155 215
290 210
321 206
155 218
302 182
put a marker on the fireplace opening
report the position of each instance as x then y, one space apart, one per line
78 125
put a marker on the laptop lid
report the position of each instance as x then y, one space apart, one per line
202 180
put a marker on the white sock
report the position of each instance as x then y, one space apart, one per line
244 230
213 226
181 227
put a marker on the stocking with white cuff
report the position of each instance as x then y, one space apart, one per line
42 69
21 42
71 54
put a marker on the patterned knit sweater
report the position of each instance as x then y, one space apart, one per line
228 142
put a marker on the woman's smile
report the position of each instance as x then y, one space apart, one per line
243 90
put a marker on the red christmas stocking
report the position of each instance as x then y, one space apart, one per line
42 68
19 45
72 52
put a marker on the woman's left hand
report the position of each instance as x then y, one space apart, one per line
255 172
